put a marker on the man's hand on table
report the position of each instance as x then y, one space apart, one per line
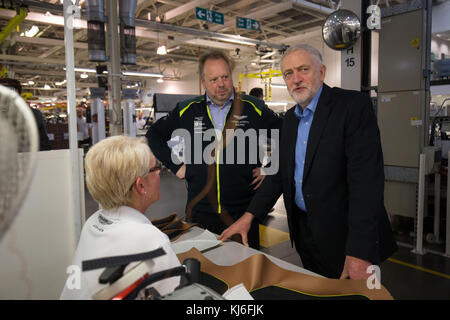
241 226
355 268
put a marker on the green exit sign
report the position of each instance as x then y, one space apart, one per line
209 15
247 23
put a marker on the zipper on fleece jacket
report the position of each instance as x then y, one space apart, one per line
219 207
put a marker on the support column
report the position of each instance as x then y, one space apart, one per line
420 206
351 57
114 73
69 12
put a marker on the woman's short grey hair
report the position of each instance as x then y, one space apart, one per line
112 167
303 47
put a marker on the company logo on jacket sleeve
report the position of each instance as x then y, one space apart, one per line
239 121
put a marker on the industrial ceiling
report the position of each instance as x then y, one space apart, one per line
173 23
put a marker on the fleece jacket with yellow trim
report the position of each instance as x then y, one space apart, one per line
218 180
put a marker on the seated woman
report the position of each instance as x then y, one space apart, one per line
122 175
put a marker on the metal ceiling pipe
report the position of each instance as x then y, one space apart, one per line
313 6
96 30
152 25
127 11
95 10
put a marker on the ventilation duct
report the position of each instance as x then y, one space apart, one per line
96 30
127 11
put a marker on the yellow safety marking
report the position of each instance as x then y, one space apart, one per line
185 108
261 75
318 295
269 236
256 109
219 208
439 274
218 183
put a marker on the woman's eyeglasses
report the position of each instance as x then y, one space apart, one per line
157 167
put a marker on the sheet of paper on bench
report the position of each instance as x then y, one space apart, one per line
202 242
238 292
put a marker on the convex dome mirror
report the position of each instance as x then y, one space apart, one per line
341 29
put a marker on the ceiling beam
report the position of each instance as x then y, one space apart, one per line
76 36
142 28
142 5
40 72
240 4
83 45
171 14
257 15
49 42
31 59
303 35
313 6
51 19
271 10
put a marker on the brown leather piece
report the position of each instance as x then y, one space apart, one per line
258 272
164 221
173 226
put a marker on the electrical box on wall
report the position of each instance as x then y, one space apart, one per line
400 123
403 104
402 115
401 57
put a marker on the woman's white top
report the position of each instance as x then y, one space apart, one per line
110 233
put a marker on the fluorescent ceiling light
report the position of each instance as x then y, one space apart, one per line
31 82
265 61
212 44
142 74
30 32
125 73
46 87
83 76
275 103
173 49
268 55
161 50
83 70
160 80
278 85
234 39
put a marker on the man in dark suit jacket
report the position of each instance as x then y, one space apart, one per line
331 175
